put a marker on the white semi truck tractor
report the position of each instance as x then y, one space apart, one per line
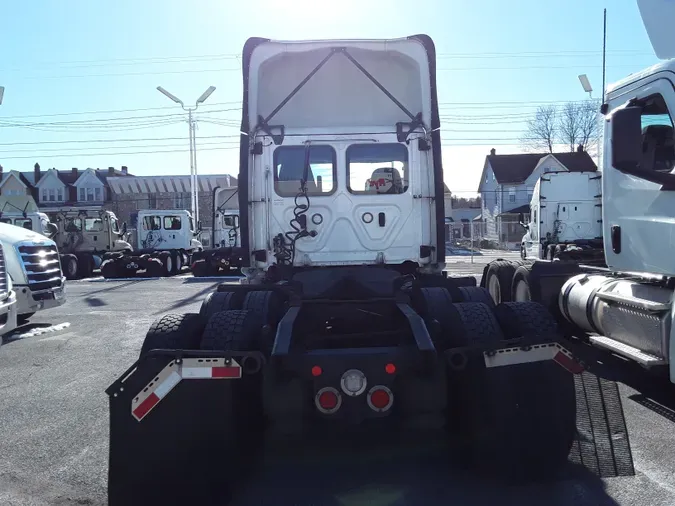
565 218
626 308
32 262
225 255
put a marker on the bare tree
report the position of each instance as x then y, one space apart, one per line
587 116
569 125
542 130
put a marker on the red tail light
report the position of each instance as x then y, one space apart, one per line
380 398
328 400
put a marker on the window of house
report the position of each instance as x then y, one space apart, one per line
97 193
658 144
59 194
152 201
289 165
90 194
93 225
52 195
530 191
377 168
45 195
172 223
83 195
512 194
151 223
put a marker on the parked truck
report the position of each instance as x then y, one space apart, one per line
626 308
344 322
86 238
565 218
32 262
168 235
8 316
225 255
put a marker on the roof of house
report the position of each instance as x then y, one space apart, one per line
67 177
168 184
517 168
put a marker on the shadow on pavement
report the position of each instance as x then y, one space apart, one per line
414 477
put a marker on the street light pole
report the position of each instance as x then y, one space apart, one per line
194 185
2 93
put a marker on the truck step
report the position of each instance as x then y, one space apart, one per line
644 359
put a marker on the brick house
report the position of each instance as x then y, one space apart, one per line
506 187
129 195
54 190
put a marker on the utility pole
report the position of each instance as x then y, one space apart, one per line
194 183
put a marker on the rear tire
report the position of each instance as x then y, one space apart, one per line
70 267
498 280
177 258
173 331
215 302
167 263
520 420
476 294
527 319
268 309
521 290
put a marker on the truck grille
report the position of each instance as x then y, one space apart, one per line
41 265
3 276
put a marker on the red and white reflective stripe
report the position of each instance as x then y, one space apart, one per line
534 353
173 373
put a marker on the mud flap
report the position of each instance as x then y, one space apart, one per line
601 443
179 427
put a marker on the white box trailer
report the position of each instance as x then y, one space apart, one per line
565 217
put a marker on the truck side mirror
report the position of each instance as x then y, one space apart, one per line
124 228
51 229
521 218
627 138
199 226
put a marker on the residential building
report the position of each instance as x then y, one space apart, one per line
55 190
506 187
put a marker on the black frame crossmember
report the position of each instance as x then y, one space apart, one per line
416 120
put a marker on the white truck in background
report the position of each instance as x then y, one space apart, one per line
627 308
565 218
8 307
33 264
170 236
225 254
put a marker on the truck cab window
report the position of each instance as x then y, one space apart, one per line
151 223
73 224
93 225
24 222
230 221
114 226
658 144
172 223
377 168
6 220
289 162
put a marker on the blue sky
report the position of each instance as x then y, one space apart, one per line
497 61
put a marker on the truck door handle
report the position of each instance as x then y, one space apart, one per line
381 219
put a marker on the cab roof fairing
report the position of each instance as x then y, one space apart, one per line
314 95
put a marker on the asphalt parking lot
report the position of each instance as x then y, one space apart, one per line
54 422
